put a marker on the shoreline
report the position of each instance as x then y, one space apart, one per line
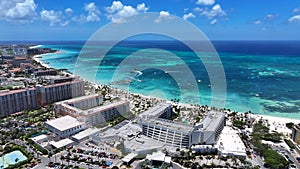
37 57
271 119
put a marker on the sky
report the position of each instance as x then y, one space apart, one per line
42 20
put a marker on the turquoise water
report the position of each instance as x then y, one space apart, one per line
11 157
261 77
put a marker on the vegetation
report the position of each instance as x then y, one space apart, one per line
289 125
239 123
38 148
271 158
290 144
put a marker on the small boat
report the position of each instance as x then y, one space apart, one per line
209 86
256 95
199 81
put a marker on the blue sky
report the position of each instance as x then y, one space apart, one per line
218 19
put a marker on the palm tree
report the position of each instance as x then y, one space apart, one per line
49 156
68 161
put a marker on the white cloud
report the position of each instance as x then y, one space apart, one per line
53 17
163 16
270 17
294 18
142 7
205 2
17 10
215 11
256 22
189 15
93 13
213 21
296 10
197 9
118 12
57 18
68 11
266 19
65 23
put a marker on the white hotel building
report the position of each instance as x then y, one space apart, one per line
91 109
155 124
65 126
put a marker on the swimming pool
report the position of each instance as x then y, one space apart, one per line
11 158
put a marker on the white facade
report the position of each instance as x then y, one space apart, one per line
209 129
155 124
65 126
91 109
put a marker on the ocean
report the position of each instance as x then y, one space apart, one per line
261 76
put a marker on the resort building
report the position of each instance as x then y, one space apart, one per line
60 91
58 79
296 134
230 144
65 126
91 109
44 72
18 60
209 129
17 100
156 124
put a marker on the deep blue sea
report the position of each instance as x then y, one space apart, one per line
261 76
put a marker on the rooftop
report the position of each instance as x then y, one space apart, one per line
104 107
6 92
79 99
155 111
61 84
85 133
39 137
129 157
175 126
61 143
230 142
211 121
142 144
64 123
158 156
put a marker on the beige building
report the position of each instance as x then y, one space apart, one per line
91 109
296 134
17 100
60 91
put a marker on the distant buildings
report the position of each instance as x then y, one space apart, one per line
17 100
45 72
156 124
18 60
26 99
19 51
65 126
296 133
91 109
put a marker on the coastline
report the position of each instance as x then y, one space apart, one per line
274 120
36 46
37 57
